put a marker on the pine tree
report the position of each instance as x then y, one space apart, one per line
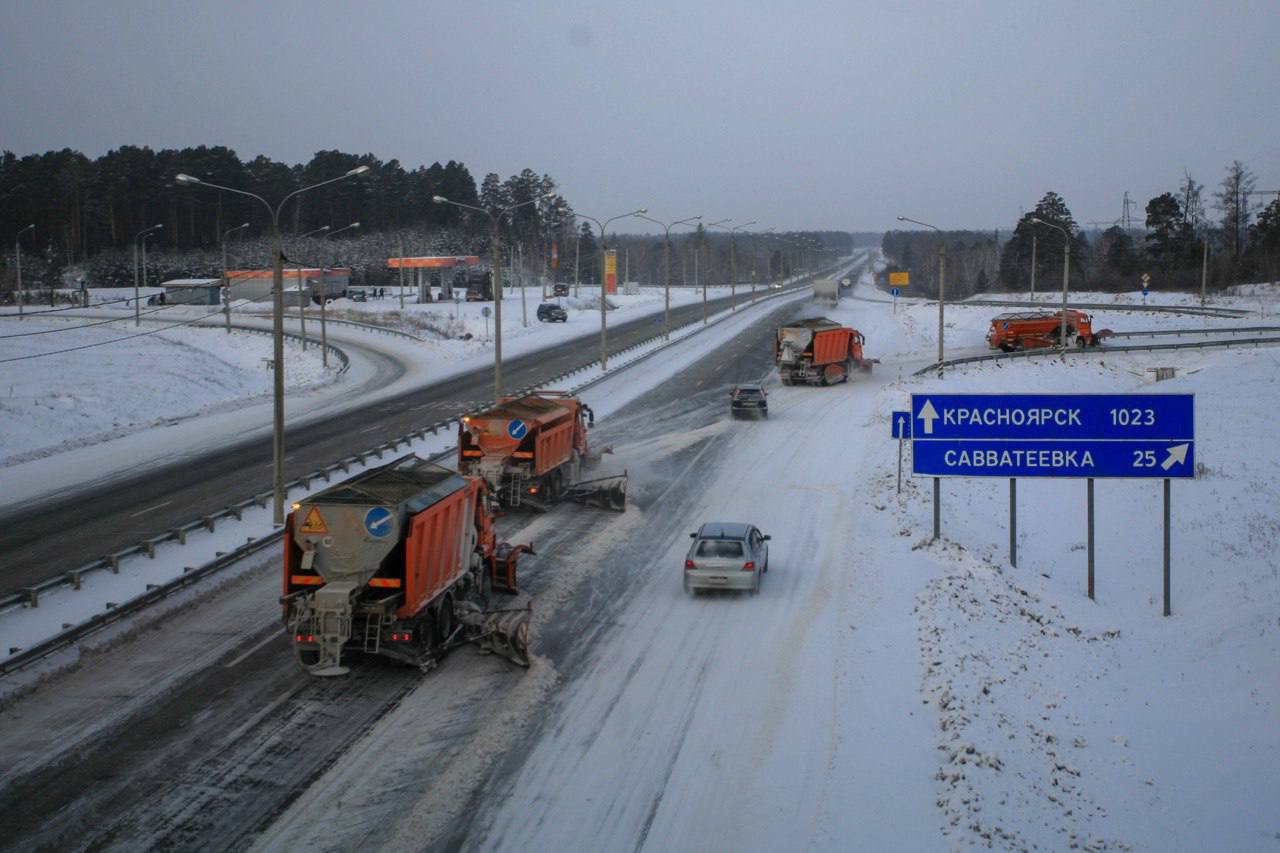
1233 201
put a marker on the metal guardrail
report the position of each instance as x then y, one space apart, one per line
30 596
368 327
1228 313
1048 352
1180 332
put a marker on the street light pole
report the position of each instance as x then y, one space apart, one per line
226 278
137 310
277 326
495 260
942 269
666 268
733 264
604 330
17 246
1033 265
1066 273
706 278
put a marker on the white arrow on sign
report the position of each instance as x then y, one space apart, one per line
928 414
1177 455
902 427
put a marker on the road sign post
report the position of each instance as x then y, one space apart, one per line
901 426
1085 436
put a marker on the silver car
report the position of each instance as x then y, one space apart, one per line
726 555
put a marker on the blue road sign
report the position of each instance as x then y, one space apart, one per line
1154 458
901 424
894 291
1053 435
377 521
517 429
1113 417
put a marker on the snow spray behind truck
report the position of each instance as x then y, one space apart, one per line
818 352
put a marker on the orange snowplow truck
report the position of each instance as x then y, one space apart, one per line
1019 330
531 451
398 561
818 352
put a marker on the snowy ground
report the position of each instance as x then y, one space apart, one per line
78 380
884 691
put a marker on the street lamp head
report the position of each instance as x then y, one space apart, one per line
358 170
354 225
186 179
902 219
439 199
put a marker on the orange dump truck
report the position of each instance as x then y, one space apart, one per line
531 451
1018 330
398 561
818 352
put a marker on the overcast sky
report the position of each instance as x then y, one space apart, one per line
802 114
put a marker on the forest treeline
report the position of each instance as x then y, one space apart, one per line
1181 243
87 214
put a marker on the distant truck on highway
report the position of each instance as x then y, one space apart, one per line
818 352
532 449
1018 330
827 290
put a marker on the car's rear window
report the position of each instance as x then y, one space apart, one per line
719 548
749 392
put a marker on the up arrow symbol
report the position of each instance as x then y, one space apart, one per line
1177 455
928 414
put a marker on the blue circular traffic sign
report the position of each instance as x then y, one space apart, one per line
517 429
894 291
377 522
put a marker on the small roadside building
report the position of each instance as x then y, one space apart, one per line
255 285
193 291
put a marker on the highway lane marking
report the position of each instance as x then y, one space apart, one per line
256 646
259 717
150 508
371 428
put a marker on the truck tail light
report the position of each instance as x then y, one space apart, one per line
689 566
533 490
749 566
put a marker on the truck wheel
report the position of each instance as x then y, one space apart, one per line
444 620
1081 342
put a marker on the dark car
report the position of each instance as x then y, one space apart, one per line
560 290
747 400
549 312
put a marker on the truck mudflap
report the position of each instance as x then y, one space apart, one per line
602 492
500 632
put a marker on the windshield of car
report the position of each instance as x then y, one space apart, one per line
719 548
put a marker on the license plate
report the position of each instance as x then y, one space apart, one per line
718 580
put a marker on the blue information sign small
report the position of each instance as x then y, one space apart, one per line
517 429
377 521
901 424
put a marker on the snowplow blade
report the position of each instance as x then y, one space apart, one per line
603 493
499 632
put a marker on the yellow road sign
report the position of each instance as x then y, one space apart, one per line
899 279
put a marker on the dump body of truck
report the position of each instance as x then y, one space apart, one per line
818 352
531 450
1017 330
378 563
